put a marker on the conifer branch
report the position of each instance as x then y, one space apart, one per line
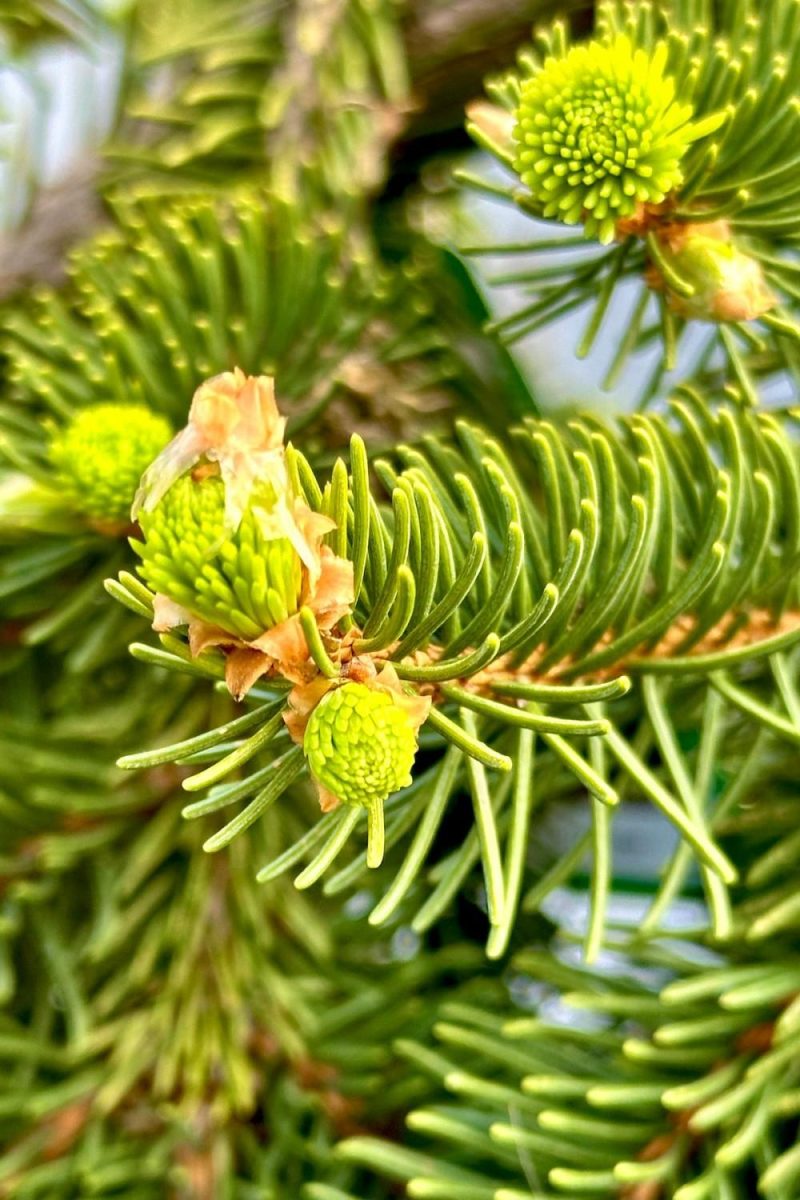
706 229
657 558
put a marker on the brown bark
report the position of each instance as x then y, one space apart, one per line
60 216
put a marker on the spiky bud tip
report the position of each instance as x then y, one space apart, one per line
600 131
360 744
100 455
242 581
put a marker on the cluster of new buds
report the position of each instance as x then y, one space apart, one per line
234 555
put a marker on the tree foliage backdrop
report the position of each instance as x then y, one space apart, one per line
398 767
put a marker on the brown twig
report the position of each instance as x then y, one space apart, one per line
61 215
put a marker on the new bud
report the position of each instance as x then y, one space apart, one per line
100 455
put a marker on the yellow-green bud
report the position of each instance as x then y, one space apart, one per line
240 580
726 284
100 455
360 744
600 131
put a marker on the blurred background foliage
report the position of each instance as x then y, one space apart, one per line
189 186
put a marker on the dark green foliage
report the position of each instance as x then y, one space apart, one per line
185 288
185 1025
604 614
670 1074
659 554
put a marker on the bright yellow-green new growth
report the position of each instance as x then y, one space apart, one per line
240 580
600 130
360 744
100 455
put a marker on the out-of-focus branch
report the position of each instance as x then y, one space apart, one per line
451 44
60 216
